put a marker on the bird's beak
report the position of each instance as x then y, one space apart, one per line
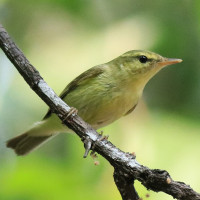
169 61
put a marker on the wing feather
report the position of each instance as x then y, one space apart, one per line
90 73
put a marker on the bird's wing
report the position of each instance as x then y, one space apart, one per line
131 110
90 73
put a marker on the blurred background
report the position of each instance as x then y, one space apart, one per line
63 38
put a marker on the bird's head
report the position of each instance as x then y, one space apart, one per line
144 63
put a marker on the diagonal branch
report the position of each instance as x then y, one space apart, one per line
127 169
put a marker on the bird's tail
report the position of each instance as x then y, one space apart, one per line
24 143
32 139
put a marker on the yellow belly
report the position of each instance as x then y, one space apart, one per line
108 110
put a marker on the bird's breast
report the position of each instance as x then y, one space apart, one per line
112 106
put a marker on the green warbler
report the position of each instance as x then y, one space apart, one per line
102 94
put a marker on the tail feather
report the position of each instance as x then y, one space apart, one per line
24 143
39 133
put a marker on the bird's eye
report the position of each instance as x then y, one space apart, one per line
143 59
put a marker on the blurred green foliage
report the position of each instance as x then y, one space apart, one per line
62 38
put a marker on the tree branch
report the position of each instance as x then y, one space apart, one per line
125 183
127 169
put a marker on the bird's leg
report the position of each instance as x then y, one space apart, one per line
72 112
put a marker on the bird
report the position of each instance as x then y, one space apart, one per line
102 95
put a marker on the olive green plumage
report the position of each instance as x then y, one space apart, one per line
102 94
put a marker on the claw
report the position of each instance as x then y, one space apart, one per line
72 112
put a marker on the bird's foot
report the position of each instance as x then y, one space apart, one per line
72 112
